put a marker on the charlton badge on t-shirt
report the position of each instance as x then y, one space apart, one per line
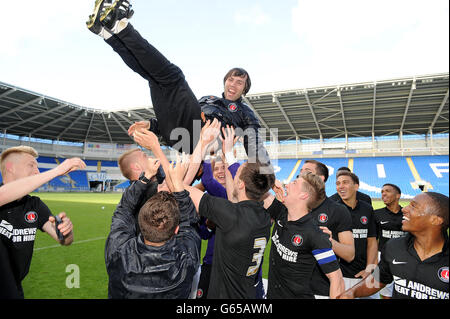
323 218
443 274
31 217
232 107
364 220
297 240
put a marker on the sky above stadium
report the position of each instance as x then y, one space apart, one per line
289 44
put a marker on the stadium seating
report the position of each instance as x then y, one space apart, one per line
373 172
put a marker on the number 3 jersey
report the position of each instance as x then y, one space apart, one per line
297 246
242 233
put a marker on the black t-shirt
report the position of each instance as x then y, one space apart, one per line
389 225
242 233
363 223
414 278
337 218
297 247
19 221
8 286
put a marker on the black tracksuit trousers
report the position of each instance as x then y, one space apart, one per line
174 103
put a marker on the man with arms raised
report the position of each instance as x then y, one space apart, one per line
242 231
162 260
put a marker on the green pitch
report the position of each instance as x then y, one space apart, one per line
78 271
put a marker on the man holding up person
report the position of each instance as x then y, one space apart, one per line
162 260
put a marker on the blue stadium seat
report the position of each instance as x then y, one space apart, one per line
435 170
46 160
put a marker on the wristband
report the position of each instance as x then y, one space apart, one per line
230 158
144 179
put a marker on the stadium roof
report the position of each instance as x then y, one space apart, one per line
413 105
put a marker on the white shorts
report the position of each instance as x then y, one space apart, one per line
350 282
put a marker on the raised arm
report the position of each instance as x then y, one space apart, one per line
123 226
21 187
149 140
208 136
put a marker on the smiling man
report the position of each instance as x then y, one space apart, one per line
363 228
418 262
178 112
389 222
298 244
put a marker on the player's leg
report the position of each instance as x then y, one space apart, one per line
174 103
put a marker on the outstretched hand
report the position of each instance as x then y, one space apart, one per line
210 132
146 139
228 140
177 171
70 165
141 125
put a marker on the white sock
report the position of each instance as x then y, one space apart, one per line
120 25
105 34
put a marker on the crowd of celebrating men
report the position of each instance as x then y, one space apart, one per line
321 247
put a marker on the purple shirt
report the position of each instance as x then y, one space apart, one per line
214 188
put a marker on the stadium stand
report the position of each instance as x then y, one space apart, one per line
392 130
373 173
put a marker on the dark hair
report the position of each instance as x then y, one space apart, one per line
439 207
256 183
344 168
159 217
347 173
241 73
321 169
394 186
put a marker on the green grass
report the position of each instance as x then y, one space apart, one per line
47 277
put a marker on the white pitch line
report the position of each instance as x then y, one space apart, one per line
74 243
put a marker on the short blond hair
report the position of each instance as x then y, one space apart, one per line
315 187
124 163
15 150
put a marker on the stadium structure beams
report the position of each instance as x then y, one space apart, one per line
89 128
277 102
374 108
313 115
107 129
411 92
261 120
439 112
343 114
71 124
20 107
367 109
29 119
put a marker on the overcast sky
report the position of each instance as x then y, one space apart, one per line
45 46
